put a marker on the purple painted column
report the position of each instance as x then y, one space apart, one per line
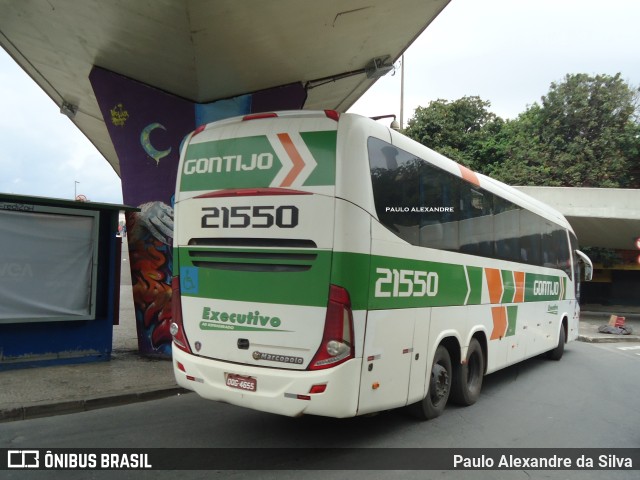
147 127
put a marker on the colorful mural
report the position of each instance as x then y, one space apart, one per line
147 127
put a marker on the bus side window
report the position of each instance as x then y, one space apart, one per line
439 194
563 250
430 207
531 226
507 230
395 183
414 199
476 221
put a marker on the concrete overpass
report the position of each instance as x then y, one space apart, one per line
203 51
208 51
601 217
136 77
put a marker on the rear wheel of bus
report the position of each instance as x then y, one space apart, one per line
468 376
556 353
439 387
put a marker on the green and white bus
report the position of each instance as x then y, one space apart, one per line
325 264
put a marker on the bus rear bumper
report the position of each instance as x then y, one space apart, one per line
284 392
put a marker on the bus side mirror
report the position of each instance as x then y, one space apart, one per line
587 266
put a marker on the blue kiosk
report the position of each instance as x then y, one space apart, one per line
59 280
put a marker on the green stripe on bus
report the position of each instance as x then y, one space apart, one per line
509 286
373 282
512 317
322 146
539 288
234 163
351 271
475 281
251 162
406 283
233 281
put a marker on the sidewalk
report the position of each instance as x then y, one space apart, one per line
129 377
593 317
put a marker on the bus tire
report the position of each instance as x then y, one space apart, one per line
468 376
556 353
435 402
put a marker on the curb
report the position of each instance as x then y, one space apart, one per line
606 315
610 339
75 406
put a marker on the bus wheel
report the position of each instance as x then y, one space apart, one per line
467 377
556 353
439 387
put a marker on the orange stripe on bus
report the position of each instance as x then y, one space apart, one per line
499 315
469 175
296 158
519 279
494 282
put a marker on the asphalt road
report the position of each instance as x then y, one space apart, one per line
629 349
587 400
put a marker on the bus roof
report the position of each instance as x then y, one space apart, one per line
491 185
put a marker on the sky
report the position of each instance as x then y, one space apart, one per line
507 52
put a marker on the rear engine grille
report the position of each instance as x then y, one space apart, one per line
228 254
253 242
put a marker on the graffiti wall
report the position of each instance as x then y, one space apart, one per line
147 127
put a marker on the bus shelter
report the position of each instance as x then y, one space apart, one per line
59 280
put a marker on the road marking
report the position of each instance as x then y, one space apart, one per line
636 347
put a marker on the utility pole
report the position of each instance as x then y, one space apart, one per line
402 92
75 189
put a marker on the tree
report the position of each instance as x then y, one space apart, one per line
522 158
461 130
585 134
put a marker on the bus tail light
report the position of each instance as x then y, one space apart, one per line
198 130
259 116
332 114
337 340
319 388
177 327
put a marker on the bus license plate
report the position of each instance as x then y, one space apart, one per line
241 383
